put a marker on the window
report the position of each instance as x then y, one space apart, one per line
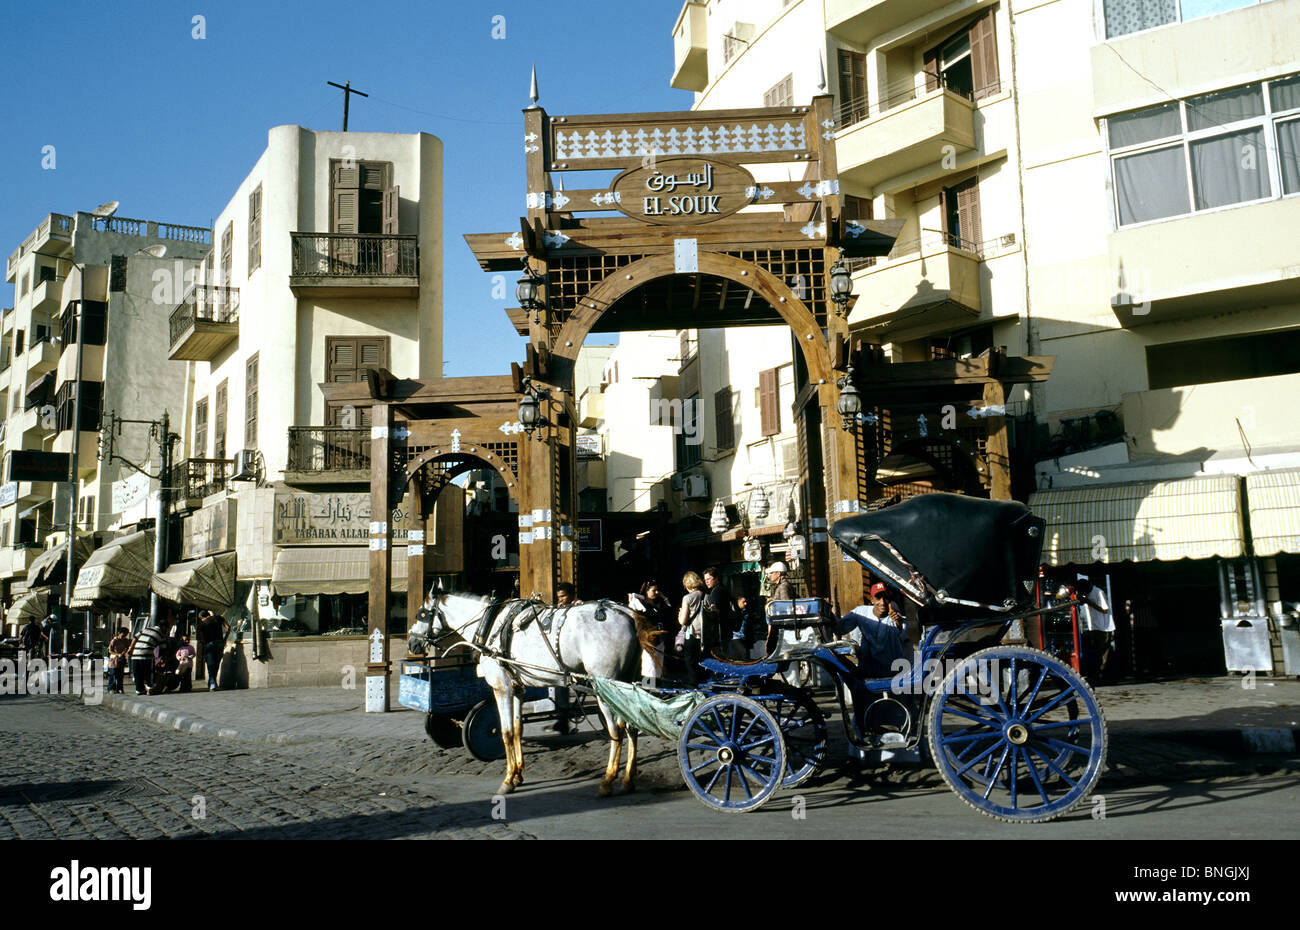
91 396
255 230
967 61
853 87
26 283
18 342
1232 146
45 273
86 512
781 94
4 534
724 419
769 402
688 345
363 198
688 439
227 252
250 403
961 214
219 421
207 267
201 429
1125 16
346 358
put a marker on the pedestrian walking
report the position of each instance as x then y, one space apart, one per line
185 665
32 639
753 625
659 615
719 616
119 648
142 656
690 618
212 640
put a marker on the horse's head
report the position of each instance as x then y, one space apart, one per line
442 614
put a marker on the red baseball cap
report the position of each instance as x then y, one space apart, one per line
878 588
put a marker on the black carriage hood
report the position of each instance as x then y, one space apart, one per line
972 549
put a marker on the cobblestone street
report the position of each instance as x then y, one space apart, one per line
80 772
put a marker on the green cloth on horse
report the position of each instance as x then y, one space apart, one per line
643 710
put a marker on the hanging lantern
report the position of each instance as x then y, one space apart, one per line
850 403
798 547
789 532
753 549
528 291
718 519
841 287
758 503
530 409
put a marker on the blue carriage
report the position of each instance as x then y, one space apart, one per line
1015 732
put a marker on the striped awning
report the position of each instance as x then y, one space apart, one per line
333 570
1273 501
208 582
51 566
1186 518
33 605
117 574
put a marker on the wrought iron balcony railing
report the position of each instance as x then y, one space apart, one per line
204 303
194 479
323 449
342 255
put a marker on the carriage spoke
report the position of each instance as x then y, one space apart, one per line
1015 688
701 747
758 742
1052 703
1074 722
726 791
1042 676
1063 747
747 729
744 782
770 760
978 759
1033 773
705 764
994 777
1053 766
983 721
714 780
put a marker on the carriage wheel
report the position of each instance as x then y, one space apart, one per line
1017 734
481 733
804 730
732 753
442 729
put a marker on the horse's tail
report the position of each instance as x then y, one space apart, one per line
646 632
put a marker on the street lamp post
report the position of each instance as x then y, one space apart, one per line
69 575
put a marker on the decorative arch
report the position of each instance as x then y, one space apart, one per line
602 298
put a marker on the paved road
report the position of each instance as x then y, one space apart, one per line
78 772
87 772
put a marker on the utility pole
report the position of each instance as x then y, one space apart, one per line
346 87
161 432
70 573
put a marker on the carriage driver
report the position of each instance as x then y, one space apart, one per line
879 629
565 596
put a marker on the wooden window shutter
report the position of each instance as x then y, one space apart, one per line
968 213
375 174
769 406
984 57
346 175
201 429
250 403
227 252
723 418
219 421
372 353
853 86
345 197
931 68
255 229
857 208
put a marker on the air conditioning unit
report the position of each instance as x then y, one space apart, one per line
245 465
696 487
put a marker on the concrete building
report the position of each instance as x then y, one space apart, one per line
326 264
117 274
1110 184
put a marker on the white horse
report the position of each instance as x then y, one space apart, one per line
601 639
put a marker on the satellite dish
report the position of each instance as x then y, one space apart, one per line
158 250
105 209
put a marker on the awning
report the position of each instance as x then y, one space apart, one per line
207 582
117 574
334 570
1188 518
1273 500
33 605
50 567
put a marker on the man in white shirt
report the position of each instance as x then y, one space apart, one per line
1096 629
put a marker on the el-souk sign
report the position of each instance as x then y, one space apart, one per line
678 191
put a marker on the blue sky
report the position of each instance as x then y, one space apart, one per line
141 112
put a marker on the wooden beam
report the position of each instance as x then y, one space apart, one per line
481 389
381 555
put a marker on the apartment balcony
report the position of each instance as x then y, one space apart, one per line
327 455
47 296
861 22
204 323
355 265
924 287
908 137
691 47
28 493
41 356
15 560
194 479
53 236
87 449
1205 263
1207 418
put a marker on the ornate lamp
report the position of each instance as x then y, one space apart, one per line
718 522
753 549
530 408
758 503
528 291
841 287
850 403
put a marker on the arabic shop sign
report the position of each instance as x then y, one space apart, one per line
329 519
678 191
209 530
